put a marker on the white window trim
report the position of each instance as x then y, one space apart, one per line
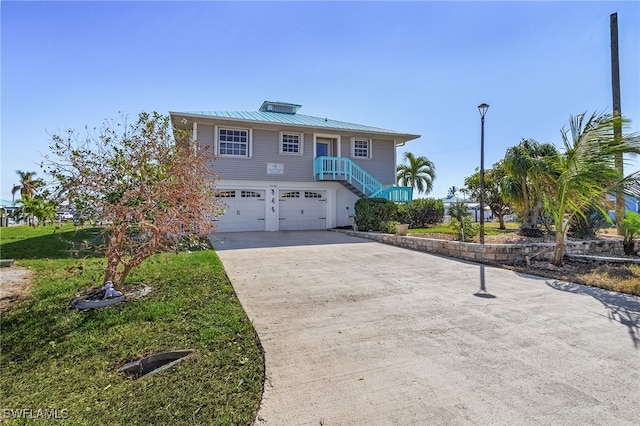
217 141
328 136
369 148
300 143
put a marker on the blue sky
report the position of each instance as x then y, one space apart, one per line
416 67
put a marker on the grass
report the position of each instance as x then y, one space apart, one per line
490 228
54 357
620 278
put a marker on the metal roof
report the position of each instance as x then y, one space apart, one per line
277 106
294 120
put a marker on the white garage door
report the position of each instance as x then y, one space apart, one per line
302 210
243 210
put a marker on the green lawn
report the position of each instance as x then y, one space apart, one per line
54 357
490 228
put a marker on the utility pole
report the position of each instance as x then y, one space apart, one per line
617 114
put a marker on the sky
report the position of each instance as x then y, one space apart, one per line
418 67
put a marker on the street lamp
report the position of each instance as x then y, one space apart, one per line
483 110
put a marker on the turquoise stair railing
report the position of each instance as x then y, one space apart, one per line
397 194
345 170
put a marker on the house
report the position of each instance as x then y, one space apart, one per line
280 170
473 208
8 207
631 204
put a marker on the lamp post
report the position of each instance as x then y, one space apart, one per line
483 110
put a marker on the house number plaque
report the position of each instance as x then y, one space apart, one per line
275 168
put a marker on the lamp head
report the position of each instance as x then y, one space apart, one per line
483 109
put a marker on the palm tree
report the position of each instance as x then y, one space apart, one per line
27 209
525 164
585 173
28 183
493 191
31 209
459 210
417 172
14 190
452 191
46 212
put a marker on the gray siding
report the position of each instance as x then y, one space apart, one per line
381 165
297 168
205 136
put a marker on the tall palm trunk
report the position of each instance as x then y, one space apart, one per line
558 251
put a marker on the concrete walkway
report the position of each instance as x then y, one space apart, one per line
360 333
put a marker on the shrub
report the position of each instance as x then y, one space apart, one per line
391 226
424 212
631 223
373 213
402 213
465 230
588 226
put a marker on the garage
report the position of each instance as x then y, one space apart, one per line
244 210
302 210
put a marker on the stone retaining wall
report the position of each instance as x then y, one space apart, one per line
506 254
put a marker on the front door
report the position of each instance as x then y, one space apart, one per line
324 146
322 149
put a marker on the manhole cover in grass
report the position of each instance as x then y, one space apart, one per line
155 363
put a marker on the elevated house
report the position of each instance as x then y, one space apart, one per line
280 170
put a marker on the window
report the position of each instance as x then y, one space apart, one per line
308 194
291 194
291 143
249 194
233 142
226 194
361 148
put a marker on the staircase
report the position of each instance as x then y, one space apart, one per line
357 180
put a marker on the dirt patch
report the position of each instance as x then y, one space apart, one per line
620 277
16 284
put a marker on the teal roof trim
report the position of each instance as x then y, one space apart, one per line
293 119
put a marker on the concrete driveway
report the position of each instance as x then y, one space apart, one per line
360 333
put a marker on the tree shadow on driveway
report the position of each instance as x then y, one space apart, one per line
621 308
